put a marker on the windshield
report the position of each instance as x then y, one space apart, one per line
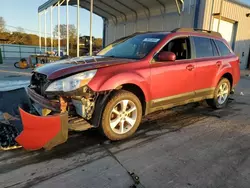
136 47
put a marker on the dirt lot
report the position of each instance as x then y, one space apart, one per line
191 146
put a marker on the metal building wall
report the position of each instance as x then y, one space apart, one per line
235 12
156 22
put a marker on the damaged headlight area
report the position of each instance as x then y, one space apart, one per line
74 91
71 83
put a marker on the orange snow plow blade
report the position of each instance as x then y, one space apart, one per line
42 131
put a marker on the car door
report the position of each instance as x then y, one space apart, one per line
208 63
172 82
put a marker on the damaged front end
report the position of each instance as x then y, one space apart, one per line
45 113
19 127
56 113
36 131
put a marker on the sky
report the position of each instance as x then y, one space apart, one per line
23 13
245 1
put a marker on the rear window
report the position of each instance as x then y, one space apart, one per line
203 47
224 50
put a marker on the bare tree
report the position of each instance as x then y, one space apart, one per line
98 43
20 30
63 36
2 24
17 38
63 31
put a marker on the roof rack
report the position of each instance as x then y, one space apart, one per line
211 33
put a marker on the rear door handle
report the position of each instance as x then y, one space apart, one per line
190 67
218 64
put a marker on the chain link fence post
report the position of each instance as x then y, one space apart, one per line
1 57
4 56
20 51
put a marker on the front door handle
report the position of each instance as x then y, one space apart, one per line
218 64
190 67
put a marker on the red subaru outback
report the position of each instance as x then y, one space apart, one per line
128 79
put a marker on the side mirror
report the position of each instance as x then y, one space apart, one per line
166 56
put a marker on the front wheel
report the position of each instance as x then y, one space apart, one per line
221 94
122 115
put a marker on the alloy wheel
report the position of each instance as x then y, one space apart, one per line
123 117
223 93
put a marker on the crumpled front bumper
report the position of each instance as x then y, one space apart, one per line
30 131
42 131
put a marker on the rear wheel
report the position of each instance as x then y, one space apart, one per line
122 116
221 94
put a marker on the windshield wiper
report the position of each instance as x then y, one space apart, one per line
110 56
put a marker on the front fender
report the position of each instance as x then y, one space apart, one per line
120 79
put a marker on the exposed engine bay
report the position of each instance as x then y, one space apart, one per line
80 101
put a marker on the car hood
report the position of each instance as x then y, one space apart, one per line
67 67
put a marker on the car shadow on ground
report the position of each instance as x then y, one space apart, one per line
91 141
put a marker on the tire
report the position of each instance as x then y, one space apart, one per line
217 102
110 116
16 65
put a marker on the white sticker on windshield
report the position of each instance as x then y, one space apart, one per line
151 40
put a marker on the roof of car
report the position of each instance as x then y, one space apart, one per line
193 31
153 32
198 31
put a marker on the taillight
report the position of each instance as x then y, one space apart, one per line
238 61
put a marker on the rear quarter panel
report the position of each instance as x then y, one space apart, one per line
230 65
235 63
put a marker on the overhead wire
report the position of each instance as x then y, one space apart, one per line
25 29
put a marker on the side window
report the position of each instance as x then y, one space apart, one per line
223 48
180 47
203 47
215 50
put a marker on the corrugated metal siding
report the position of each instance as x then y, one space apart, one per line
236 13
156 22
130 28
